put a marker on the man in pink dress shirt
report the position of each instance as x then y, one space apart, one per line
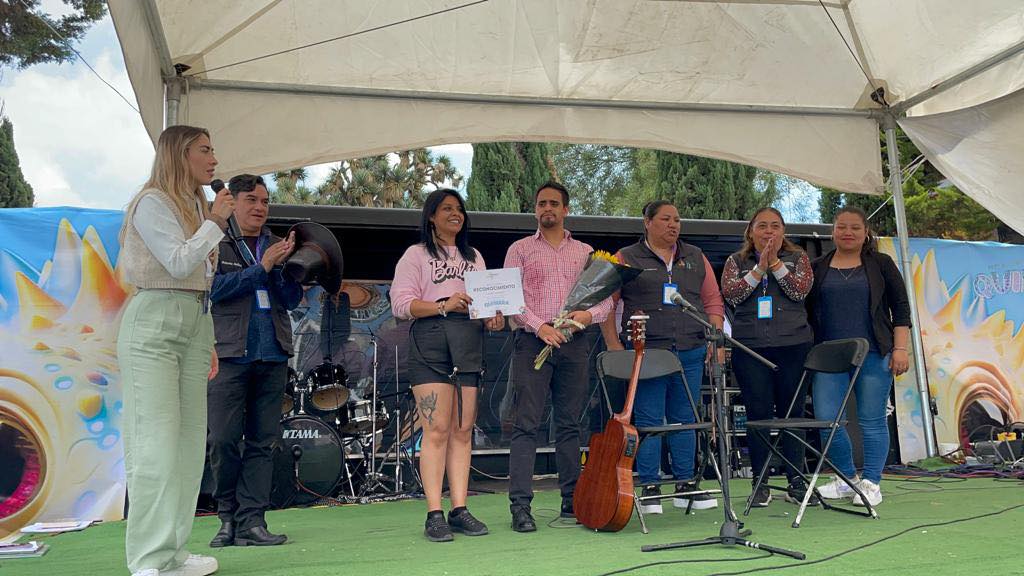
550 261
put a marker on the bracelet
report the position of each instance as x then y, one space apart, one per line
772 265
904 348
757 268
440 308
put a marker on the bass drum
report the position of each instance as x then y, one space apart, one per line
308 462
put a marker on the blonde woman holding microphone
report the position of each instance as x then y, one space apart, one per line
165 349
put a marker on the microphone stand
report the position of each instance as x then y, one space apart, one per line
730 534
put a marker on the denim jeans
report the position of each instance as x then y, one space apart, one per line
872 390
661 401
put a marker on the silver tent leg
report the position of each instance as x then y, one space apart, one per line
174 89
896 189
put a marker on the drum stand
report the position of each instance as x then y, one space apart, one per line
373 482
405 421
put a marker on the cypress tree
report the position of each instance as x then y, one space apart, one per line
15 192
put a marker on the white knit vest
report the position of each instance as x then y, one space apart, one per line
142 269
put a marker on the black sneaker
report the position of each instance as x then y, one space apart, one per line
460 520
762 497
795 493
522 520
567 509
700 501
650 506
436 529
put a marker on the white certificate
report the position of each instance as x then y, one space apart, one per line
495 290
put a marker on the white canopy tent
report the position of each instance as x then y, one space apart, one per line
781 84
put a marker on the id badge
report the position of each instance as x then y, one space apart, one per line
764 308
263 299
667 290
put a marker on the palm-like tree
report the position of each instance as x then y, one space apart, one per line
395 180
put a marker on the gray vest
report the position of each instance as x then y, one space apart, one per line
788 325
668 327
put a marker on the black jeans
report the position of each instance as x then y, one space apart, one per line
567 376
244 399
767 394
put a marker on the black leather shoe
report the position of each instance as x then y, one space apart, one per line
225 536
567 510
522 520
258 536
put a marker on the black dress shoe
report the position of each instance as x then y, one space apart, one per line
522 520
225 536
258 536
567 509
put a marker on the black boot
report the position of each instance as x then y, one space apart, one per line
225 536
258 536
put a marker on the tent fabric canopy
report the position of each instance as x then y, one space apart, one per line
781 84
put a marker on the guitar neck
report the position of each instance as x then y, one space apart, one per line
627 408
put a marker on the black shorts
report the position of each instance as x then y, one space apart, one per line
438 344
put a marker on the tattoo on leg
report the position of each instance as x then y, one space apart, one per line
428 405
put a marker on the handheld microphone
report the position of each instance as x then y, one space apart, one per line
233 232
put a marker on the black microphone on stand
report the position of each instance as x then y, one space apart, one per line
233 232
678 300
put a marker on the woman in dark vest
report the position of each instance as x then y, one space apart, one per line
765 284
859 293
668 264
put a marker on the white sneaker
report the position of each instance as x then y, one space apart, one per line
196 565
147 572
871 491
837 489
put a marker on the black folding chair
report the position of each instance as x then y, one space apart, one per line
618 364
833 357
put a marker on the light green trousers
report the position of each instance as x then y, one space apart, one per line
164 347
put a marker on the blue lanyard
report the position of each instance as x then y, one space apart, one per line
671 261
247 253
764 276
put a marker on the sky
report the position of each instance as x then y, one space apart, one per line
81 145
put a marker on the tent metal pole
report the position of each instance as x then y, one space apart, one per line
199 83
920 370
901 107
173 100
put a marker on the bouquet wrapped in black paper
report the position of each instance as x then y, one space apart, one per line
601 277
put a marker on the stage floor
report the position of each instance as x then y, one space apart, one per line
926 527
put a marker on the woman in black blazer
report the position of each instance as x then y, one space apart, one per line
859 293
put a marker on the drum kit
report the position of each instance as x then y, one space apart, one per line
330 443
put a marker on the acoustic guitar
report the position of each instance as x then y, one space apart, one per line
604 493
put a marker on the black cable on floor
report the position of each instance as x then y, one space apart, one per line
813 562
869 544
695 560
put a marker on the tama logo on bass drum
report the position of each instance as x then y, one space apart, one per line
299 434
